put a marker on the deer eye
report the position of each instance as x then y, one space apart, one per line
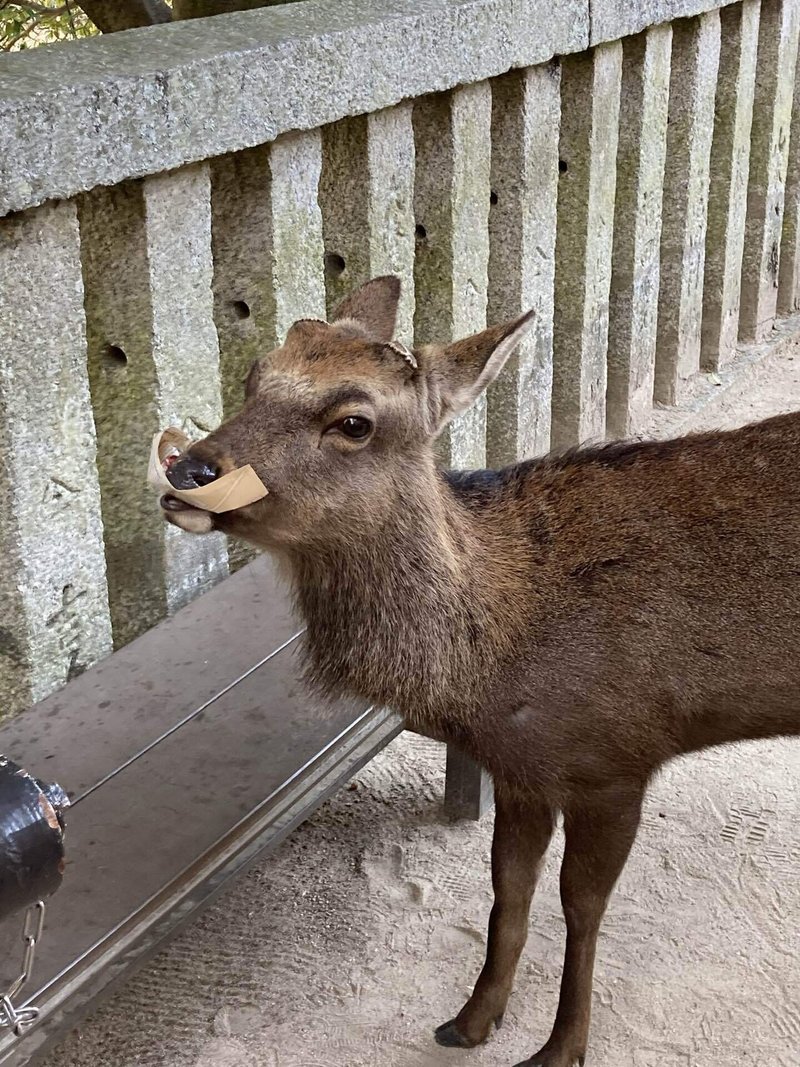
356 427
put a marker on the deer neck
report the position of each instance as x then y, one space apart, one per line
418 614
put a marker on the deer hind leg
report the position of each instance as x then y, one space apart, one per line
599 835
522 832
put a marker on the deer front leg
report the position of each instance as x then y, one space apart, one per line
522 832
599 836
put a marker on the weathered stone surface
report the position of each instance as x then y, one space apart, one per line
367 202
612 19
268 258
297 282
96 112
526 109
451 202
695 62
344 195
769 153
241 241
727 197
185 348
390 159
789 273
590 98
267 246
52 583
124 390
153 362
637 230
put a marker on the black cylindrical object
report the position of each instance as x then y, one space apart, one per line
31 838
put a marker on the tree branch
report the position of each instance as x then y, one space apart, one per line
37 9
8 43
109 16
201 9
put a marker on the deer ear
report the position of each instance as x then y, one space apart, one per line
458 373
373 307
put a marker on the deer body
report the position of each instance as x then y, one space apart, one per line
572 622
539 608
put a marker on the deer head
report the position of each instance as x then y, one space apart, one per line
339 423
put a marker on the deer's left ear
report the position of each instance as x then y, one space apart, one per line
372 308
458 373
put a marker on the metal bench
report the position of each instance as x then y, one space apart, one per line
186 754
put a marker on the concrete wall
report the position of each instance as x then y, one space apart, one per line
171 199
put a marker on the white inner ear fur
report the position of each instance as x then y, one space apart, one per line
459 398
352 325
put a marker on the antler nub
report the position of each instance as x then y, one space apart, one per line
404 353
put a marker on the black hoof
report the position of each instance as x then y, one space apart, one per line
448 1035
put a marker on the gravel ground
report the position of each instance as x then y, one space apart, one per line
367 928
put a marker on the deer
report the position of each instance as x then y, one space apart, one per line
571 622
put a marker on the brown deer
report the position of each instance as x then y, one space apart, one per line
571 622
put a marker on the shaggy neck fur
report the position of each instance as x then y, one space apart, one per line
419 614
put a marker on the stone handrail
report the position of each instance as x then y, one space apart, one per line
126 105
172 198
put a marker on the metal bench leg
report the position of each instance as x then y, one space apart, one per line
468 788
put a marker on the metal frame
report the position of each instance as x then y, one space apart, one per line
203 714
70 995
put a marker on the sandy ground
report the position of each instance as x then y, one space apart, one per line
367 928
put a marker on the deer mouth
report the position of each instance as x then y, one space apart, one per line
171 503
186 516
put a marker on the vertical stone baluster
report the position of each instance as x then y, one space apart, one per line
153 361
52 584
452 133
769 154
693 82
451 201
633 317
526 110
789 275
727 198
241 240
296 264
590 99
367 201
267 243
268 257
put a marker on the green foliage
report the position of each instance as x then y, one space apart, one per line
26 25
30 24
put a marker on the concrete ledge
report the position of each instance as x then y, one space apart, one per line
612 19
95 112
88 113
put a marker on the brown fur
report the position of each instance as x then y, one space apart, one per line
572 622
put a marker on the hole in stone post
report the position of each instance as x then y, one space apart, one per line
562 166
241 309
492 197
334 264
420 231
114 357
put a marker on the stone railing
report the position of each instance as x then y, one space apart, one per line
173 198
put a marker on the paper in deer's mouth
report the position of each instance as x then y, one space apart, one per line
169 502
233 490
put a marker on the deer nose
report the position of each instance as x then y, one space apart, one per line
190 472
